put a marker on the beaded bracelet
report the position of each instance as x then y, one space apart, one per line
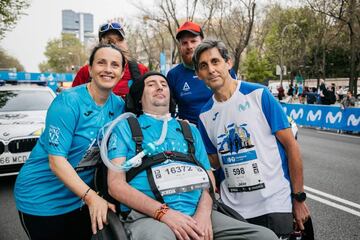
159 213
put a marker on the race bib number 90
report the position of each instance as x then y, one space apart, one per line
178 177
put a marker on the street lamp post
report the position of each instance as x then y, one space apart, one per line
282 47
78 58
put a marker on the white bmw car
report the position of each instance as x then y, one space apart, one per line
23 110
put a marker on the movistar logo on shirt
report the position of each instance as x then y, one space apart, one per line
186 87
243 107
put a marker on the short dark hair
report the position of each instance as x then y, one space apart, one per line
102 45
206 45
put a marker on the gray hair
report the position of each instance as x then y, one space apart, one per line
206 45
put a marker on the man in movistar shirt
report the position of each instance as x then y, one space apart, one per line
247 134
186 209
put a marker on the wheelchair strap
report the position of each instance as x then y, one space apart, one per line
149 161
136 132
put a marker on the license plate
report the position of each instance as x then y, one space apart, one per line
13 158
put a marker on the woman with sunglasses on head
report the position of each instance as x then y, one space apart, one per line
113 33
53 191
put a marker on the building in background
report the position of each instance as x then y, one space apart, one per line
79 24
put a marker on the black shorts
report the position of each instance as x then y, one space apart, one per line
282 224
72 225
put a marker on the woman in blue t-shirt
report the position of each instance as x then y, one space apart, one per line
53 190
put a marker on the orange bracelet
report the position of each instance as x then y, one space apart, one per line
159 213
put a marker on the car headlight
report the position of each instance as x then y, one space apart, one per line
37 132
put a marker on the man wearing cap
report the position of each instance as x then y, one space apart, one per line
168 200
113 33
190 93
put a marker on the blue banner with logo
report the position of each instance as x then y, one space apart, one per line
332 117
28 76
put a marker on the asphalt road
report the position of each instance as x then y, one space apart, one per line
332 178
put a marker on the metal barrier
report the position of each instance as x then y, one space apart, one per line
330 117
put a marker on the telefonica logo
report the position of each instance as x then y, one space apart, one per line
297 115
330 118
313 117
243 107
353 120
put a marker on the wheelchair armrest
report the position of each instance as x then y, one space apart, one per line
114 230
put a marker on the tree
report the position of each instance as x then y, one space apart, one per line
290 36
10 12
232 21
62 54
348 13
7 61
257 68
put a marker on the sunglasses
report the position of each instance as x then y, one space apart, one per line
108 26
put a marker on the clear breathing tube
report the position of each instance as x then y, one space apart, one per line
137 159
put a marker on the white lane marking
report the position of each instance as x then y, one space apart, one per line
332 204
337 134
332 197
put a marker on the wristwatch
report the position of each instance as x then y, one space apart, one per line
299 196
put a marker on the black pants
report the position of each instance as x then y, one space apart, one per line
72 225
282 224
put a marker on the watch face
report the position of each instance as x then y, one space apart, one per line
300 196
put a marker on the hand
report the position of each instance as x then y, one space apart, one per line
183 226
204 224
98 208
301 213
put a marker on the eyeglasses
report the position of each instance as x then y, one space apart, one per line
108 26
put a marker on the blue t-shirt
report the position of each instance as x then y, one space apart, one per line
72 124
122 145
190 92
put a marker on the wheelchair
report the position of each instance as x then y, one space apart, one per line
114 230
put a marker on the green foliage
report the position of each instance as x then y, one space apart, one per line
257 69
289 31
10 12
7 61
62 54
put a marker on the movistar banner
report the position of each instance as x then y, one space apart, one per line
57 77
324 116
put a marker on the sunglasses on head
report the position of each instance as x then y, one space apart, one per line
108 26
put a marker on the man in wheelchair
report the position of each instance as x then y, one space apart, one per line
167 196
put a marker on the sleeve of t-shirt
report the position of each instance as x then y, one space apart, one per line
60 126
82 76
119 140
200 152
170 78
210 148
273 111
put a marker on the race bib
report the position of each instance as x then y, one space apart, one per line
90 159
179 177
242 172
